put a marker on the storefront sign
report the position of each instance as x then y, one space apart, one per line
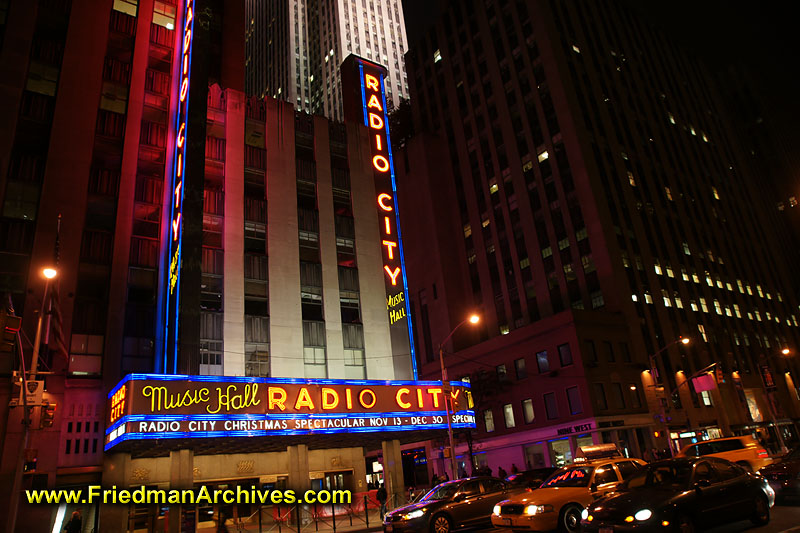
364 97
569 430
154 406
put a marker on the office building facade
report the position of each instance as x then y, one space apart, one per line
295 49
580 170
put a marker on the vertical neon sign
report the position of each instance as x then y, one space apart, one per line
373 101
169 361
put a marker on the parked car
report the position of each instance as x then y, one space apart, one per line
558 502
743 450
784 474
450 506
683 494
529 479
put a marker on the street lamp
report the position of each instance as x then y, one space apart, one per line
48 273
662 410
472 319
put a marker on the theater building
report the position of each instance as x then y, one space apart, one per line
232 242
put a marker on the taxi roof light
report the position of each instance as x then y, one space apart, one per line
597 451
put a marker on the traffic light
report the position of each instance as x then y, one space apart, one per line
719 375
48 414
9 326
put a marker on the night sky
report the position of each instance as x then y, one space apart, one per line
763 36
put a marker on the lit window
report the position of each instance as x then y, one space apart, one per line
704 137
647 298
715 192
508 415
670 273
703 305
527 411
717 307
504 329
671 118
624 156
488 419
437 56
780 299
686 249
719 283
739 284
669 193
485 222
749 315
758 314
706 397
709 281
693 305
769 296
164 14
126 6
542 156
760 292
631 179
493 188
576 49
737 311
691 129
684 274
467 230
728 286
667 301
626 260
702 331
547 252
634 298
657 268
749 290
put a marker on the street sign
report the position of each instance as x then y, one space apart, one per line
34 390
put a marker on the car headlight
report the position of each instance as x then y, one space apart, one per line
643 515
496 510
584 514
414 514
538 509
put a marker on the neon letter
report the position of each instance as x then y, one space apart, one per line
178 194
419 398
382 197
176 224
373 103
180 164
390 248
388 226
380 163
435 393
363 402
392 275
375 121
400 401
330 398
184 88
372 82
277 397
378 143
349 398
181 134
304 399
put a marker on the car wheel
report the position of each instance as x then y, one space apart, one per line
760 511
685 525
745 465
441 524
570 520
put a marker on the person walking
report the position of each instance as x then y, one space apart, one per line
74 524
381 496
501 473
514 469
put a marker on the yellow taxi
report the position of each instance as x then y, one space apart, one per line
743 450
558 503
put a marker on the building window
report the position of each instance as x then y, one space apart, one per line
600 396
609 349
542 362
527 411
574 399
551 406
488 419
519 365
565 354
508 415
706 397
619 398
502 374
314 349
591 352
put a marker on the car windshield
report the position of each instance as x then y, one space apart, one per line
577 476
525 480
661 475
445 491
793 455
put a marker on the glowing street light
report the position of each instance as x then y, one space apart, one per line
786 351
685 340
663 414
49 273
472 319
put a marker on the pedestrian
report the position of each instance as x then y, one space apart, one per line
74 524
501 473
381 497
514 469
410 494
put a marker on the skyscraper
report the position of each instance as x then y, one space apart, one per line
295 49
576 178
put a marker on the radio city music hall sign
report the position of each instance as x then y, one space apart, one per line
154 406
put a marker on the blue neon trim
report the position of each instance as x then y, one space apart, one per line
363 91
399 234
269 433
279 381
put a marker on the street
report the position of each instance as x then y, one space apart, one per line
785 517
